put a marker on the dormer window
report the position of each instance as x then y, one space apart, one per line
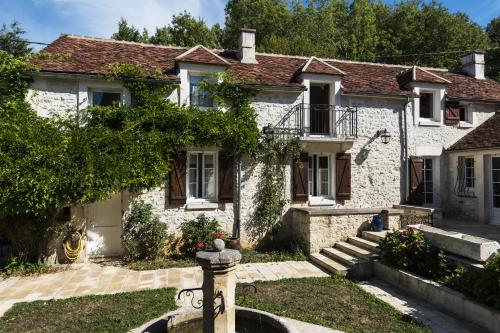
426 105
199 96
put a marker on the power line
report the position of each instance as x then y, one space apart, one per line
24 41
433 53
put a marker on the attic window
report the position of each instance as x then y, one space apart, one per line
426 102
197 94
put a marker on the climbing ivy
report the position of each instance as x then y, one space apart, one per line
84 156
269 201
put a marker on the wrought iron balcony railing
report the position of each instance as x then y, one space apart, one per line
319 120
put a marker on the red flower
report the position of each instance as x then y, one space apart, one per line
219 235
200 246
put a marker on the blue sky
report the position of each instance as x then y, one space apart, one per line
46 19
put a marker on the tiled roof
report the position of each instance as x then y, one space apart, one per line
486 135
318 66
85 55
417 74
202 55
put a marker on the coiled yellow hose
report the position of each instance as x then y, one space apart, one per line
73 253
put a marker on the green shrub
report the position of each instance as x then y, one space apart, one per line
409 250
16 266
143 235
483 285
199 233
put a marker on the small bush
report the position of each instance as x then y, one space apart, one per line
409 250
198 234
143 235
483 285
16 266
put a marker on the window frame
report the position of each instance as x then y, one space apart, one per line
317 177
425 191
203 198
431 105
472 178
202 76
91 92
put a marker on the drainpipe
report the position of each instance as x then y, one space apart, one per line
238 187
407 172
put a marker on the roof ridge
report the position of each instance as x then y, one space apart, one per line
109 40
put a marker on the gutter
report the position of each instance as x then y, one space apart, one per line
473 100
380 95
470 149
271 87
67 75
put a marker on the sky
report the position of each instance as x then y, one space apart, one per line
45 20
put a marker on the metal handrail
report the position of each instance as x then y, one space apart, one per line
323 119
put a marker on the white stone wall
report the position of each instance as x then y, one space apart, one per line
378 173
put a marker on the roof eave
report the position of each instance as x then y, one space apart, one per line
57 74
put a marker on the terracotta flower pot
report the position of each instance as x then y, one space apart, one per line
233 243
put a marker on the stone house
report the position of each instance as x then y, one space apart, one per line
374 135
474 174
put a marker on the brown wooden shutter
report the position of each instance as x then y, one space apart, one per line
452 113
226 180
178 179
416 183
300 177
343 176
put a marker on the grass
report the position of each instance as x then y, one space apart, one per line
333 302
248 256
103 313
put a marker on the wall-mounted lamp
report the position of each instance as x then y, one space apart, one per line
268 132
385 135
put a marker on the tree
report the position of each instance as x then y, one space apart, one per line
12 41
493 56
129 33
362 29
188 31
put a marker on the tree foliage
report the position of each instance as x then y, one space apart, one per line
493 56
12 40
366 30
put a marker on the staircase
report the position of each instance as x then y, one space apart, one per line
352 258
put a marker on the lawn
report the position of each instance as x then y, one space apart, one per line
247 255
333 302
103 313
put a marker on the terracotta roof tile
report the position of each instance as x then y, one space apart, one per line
417 74
486 135
202 55
318 66
94 56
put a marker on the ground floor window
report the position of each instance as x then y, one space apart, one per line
427 178
319 176
201 176
466 176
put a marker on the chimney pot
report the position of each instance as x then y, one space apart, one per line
246 52
473 65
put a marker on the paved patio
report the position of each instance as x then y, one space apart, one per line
488 231
94 279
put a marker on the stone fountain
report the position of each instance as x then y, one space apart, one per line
220 313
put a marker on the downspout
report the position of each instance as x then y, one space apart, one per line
407 171
238 210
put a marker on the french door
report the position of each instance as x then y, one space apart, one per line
495 189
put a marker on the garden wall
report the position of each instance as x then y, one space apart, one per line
442 297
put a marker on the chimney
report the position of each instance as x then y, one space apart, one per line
247 46
473 65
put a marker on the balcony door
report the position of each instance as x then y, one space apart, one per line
320 114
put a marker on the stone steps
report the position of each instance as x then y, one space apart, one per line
352 258
328 264
374 236
364 243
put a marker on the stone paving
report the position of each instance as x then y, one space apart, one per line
94 279
420 310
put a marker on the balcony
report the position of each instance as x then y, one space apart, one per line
319 122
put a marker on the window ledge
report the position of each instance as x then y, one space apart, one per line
464 124
429 123
202 205
321 202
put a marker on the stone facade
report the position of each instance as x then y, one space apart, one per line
378 169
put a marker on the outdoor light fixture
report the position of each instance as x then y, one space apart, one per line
268 132
385 135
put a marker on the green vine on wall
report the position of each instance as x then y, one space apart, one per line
269 201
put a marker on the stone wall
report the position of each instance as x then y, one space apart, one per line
317 228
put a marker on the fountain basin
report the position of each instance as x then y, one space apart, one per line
189 320
468 246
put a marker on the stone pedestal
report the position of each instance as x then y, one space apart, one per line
219 284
